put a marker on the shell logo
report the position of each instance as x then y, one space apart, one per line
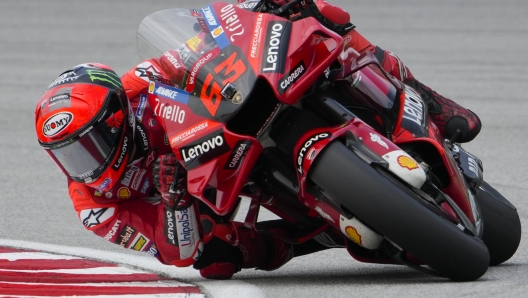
123 193
353 235
216 32
407 162
151 88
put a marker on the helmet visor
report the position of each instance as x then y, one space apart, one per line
85 156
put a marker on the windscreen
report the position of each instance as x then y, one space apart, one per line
168 30
195 53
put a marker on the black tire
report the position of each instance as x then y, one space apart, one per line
502 226
399 214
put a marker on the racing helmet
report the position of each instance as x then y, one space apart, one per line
85 124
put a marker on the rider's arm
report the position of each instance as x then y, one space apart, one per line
132 223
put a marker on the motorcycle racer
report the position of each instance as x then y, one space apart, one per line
114 153
102 133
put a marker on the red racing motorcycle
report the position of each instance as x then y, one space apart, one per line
272 108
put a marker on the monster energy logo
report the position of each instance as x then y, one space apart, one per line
104 76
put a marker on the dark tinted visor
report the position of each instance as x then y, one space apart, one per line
85 156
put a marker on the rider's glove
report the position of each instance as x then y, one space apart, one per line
170 182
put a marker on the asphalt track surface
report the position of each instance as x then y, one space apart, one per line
473 51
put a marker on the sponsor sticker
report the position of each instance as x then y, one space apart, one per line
413 109
151 156
145 187
248 5
125 236
144 138
122 154
257 36
204 150
144 69
213 24
152 250
407 162
187 228
237 155
104 184
377 139
194 71
57 123
106 77
194 43
139 242
93 217
170 228
231 22
191 132
307 145
292 77
136 182
152 122
276 46
113 230
128 175
353 234
208 12
151 87
141 107
216 32
324 214
172 112
60 100
68 77
195 13
123 193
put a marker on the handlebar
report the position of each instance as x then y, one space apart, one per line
279 11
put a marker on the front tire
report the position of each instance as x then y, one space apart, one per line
502 226
399 214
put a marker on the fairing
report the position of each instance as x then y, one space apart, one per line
227 49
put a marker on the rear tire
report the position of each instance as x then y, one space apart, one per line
502 226
399 214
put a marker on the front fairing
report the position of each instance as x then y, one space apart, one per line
224 45
194 112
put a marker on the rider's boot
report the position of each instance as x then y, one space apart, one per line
231 247
448 116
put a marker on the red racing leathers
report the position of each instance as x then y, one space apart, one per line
130 214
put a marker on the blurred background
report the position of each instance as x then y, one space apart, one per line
473 51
